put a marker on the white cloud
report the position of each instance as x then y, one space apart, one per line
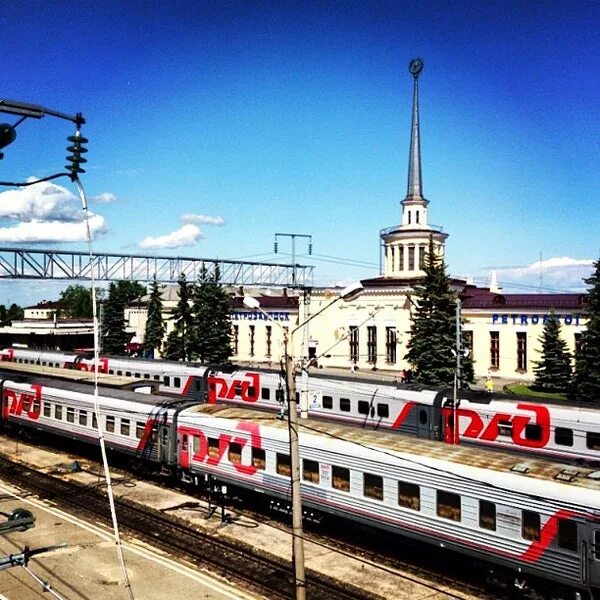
52 231
45 212
188 235
556 274
202 219
104 198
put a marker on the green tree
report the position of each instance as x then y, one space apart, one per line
211 309
76 302
432 343
114 336
179 341
130 290
553 372
586 383
155 326
15 312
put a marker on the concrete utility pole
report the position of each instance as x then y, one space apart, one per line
293 428
457 369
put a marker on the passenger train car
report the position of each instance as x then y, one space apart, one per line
558 430
535 523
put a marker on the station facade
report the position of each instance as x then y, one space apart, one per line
371 329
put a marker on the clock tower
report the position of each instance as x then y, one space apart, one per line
405 246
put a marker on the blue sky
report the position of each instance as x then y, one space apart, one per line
214 125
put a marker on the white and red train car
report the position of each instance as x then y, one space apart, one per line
558 430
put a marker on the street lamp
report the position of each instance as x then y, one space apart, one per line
290 376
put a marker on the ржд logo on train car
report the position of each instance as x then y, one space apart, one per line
22 403
88 365
220 388
205 451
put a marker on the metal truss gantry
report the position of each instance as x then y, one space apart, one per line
27 263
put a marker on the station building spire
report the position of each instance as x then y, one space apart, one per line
406 245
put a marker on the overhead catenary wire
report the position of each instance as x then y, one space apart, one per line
109 489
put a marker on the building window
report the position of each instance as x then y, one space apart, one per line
417 216
390 345
401 258
448 505
409 495
373 486
487 515
530 529
252 332
353 343
235 338
422 255
393 258
494 349
372 344
310 470
268 333
411 258
521 351
467 342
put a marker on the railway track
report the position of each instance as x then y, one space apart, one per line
235 561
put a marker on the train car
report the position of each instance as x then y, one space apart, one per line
535 523
137 425
559 430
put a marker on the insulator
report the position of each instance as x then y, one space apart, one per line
78 139
76 149
76 159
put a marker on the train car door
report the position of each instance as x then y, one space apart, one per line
424 422
591 564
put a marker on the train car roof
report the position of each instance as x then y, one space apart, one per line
536 469
112 381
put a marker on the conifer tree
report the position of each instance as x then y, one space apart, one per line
553 372
586 384
179 341
114 336
212 319
432 343
155 326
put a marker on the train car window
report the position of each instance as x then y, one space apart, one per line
284 465
265 394
140 428
448 505
43 363
373 486
167 380
327 402
137 375
340 478
125 427
409 495
310 470
530 526
279 395
83 418
235 453
47 409
26 403
423 417
111 371
383 411
238 390
71 415
567 534
119 373
251 392
127 373
533 432
363 407
157 378
487 515
563 436
110 424
177 382
259 459
345 404
146 375
94 421
213 447
58 411
593 440
184 442
505 428
597 544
